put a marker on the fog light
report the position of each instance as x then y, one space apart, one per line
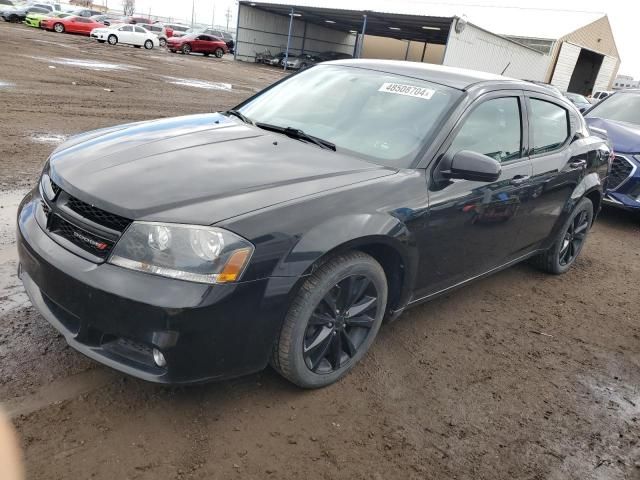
158 357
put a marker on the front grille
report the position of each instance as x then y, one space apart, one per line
85 231
97 215
94 244
621 168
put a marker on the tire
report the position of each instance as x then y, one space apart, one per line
206 54
318 344
101 41
137 46
163 42
219 53
148 45
58 28
112 39
186 49
14 19
172 51
569 242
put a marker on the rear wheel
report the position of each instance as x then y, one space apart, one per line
112 39
186 49
58 27
148 44
219 52
569 242
14 19
332 322
163 42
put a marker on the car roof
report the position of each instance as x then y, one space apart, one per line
460 78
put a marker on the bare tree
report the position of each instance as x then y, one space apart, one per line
129 6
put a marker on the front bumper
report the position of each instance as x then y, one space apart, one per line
117 316
31 22
627 194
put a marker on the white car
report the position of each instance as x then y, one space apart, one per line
127 34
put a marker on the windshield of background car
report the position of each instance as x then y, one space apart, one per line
379 116
623 107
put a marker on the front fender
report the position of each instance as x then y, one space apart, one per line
346 232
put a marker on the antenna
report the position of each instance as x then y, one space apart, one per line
505 68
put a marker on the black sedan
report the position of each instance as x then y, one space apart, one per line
286 230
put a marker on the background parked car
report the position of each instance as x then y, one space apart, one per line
126 34
303 61
48 21
158 29
85 12
136 20
599 95
176 29
20 14
198 43
107 19
222 35
578 100
327 56
277 59
619 115
74 24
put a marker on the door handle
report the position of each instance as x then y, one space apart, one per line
578 164
519 179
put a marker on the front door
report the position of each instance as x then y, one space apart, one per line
474 226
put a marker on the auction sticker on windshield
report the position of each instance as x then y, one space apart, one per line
408 90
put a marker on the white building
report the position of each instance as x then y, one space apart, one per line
625 81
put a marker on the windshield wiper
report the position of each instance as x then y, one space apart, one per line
240 115
298 135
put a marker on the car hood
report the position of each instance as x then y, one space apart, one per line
198 169
625 137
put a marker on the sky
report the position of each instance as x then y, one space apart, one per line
623 14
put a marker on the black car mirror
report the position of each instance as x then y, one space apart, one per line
468 165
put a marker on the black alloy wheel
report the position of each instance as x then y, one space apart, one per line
340 324
574 238
569 241
332 321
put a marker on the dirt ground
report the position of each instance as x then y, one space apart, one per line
521 375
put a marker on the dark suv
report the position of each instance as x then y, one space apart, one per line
286 230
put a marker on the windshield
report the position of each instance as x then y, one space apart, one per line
622 107
382 117
574 97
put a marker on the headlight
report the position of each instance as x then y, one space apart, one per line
186 252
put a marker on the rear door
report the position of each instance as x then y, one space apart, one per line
474 226
139 36
125 34
559 159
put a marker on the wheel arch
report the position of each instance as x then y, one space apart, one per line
386 239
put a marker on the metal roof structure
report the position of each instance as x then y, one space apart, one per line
411 16
422 28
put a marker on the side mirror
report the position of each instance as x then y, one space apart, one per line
468 165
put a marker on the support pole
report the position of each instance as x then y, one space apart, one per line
286 55
406 52
424 50
364 31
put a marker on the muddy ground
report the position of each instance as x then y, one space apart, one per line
522 375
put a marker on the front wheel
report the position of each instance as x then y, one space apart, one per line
113 40
163 42
148 45
332 321
569 242
186 49
59 28
219 52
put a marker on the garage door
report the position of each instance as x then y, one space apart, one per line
605 74
564 67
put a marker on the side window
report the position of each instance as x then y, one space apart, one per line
493 129
126 28
549 126
140 30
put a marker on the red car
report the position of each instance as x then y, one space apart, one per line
82 25
198 43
